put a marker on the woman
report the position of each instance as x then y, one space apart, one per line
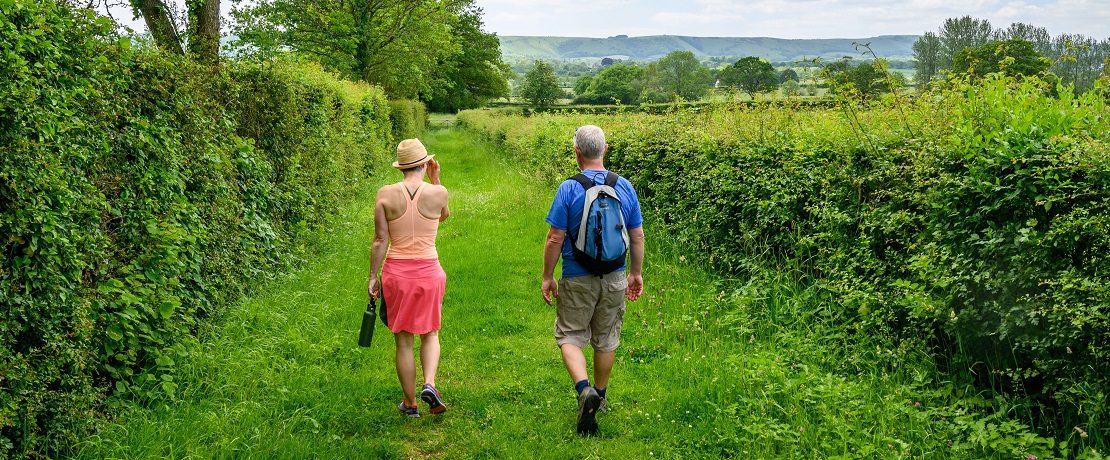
406 217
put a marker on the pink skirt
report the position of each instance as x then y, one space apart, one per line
413 291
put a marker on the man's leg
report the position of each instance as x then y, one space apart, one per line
577 297
575 362
406 367
606 325
429 356
603 366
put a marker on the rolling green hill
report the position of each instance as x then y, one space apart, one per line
655 46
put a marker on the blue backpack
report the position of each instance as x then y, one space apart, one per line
601 242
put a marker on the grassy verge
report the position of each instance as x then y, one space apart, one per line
708 368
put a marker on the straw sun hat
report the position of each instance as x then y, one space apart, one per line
410 154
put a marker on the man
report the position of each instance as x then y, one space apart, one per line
590 307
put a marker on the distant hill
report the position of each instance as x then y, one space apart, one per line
655 46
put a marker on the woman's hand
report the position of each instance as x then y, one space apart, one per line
374 288
433 171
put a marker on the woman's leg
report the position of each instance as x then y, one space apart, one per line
429 356
406 367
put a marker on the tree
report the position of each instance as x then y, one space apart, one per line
1042 41
203 37
1078 59
475 73
398 44
787 75
618 82
864 80
959 33
541 88
927 58
582 85
752 75
677 74
790 88
1014 57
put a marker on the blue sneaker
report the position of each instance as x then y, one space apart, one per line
431 396
409 411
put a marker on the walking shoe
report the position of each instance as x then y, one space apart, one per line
604 406
409 411
431 396
588 403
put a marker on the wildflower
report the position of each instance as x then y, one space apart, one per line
1030 457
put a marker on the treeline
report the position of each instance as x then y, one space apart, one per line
1076 59
973 225
679 76
429 50
142 191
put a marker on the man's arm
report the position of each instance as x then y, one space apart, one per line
636 265
378 248
552 248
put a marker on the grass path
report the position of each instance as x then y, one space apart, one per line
281 376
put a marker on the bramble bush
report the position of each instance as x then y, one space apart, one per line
141 193
973 222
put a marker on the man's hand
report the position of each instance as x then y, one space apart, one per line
433 171
635 287
374 288
550 290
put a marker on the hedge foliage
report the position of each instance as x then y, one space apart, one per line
409 119
139 194
975 221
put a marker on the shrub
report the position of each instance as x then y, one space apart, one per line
983 233
409 119
139 194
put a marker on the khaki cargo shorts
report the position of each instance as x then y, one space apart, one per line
590 309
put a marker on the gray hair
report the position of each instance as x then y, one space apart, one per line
590 140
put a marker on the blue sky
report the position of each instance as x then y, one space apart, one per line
782 18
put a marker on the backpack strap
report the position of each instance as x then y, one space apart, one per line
611 179
582 180
587 183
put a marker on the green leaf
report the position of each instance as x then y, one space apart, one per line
170 388
115 333
167 307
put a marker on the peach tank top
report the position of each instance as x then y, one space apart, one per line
412 236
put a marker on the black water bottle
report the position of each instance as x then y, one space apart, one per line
366 334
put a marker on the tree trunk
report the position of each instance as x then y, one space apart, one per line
204 33
157 18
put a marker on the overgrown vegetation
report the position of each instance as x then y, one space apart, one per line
140 194
706 368
408 119
972 224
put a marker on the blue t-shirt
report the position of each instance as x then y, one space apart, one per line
566 212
